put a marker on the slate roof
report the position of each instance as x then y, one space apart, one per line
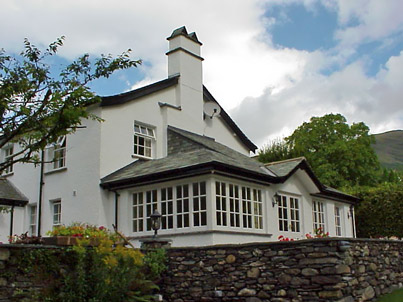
133 95
10 195
189 154
129 96
284 169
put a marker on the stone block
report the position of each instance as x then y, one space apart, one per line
284 279
368 293
326 279
309 272
343 269
310 261
4 254
262 294
373 267
293 271
254 272
247 292
331 294
230 259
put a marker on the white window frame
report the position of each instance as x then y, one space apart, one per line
199 192
338 217
189 206
138 212
289 213
238 206
167 208
319 215
221 203
33 219
234 206
151 204
8 156
143 140
56 212
59 153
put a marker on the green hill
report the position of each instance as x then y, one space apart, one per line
389 148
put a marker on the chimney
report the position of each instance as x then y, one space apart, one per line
184 59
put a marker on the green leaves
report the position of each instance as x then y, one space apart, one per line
380 212
340 154
36 106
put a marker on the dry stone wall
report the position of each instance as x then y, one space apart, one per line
306 270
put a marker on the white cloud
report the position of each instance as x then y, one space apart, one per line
368 20
276 89
376 101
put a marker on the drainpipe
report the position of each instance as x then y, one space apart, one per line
116 209
352 219
41 184
11 220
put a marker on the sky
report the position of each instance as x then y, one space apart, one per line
271 64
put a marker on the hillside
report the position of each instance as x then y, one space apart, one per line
389 148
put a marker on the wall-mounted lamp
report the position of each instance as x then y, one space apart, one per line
276 199
155 222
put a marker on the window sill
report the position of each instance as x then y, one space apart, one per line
141 157
56 170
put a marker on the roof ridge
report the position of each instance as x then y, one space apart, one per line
285 161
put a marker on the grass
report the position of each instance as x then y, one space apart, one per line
389 148
396 296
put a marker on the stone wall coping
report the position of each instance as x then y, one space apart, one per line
30 246
227 246
285 243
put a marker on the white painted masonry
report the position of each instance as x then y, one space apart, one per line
98 149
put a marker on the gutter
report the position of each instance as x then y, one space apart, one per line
196 170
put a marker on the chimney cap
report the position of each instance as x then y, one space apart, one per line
181 31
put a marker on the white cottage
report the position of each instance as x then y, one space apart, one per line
171 147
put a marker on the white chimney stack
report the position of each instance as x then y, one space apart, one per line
184 59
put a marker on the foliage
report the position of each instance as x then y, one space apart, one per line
101 274
37 107
276 150
380 212
319 233
282 238
155 262
82 230
339 154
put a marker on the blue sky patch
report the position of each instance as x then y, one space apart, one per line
298 28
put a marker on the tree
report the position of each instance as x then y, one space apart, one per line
276 150
36 107
340 154
380 212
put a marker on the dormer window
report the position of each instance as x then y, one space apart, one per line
144 138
